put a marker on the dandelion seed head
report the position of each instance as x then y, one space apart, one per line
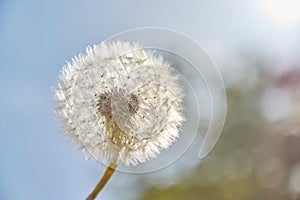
120 101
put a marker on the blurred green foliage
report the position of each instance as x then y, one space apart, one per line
254 158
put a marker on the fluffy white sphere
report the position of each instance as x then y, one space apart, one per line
120 102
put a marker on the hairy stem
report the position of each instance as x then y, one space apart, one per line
105 178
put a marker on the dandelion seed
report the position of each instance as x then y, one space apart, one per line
120 103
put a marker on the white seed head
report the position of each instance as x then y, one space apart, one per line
120 101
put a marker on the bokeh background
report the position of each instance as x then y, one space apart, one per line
256 46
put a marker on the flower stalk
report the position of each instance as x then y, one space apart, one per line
103 181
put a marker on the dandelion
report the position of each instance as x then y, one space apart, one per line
120 103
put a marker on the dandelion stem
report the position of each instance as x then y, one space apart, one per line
105 178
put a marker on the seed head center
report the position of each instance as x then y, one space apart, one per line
127 103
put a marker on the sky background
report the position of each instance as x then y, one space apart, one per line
36 39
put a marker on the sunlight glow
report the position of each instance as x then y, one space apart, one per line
283 11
